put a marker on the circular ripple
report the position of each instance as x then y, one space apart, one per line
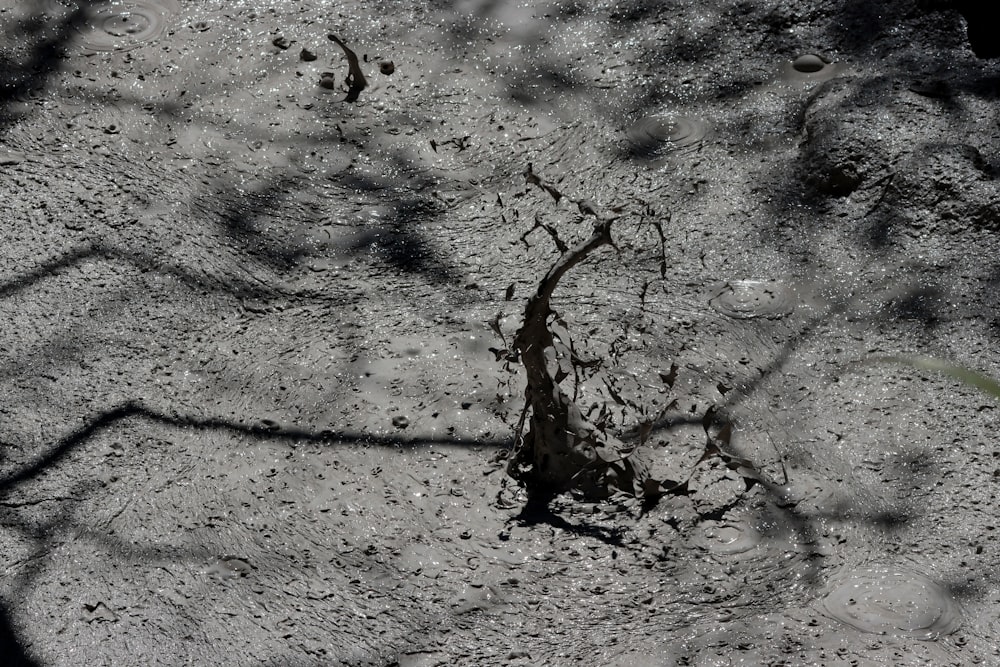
124 24
893 601
659 135
728 537
747 299
809 68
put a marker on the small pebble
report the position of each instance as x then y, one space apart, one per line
307 55
400 422
281 42
386 67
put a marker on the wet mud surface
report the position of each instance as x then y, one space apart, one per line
257 401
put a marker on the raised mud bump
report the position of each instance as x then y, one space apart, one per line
810 68
728 537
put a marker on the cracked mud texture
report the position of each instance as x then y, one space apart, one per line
251 414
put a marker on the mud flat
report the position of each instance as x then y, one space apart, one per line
259 397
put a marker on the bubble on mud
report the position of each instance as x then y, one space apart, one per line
809 68
893 601
748 299
327 80
808 64
121 25
728 537
655 136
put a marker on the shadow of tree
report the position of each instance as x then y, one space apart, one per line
46 51
112 416
13 651
242 213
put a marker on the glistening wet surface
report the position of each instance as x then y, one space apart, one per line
729 537
747 299
115 25
892 600
265 332
657 136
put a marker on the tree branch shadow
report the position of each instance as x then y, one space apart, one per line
13 651
394 241
262 432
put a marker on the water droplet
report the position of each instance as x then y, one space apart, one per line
893 601
747 299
